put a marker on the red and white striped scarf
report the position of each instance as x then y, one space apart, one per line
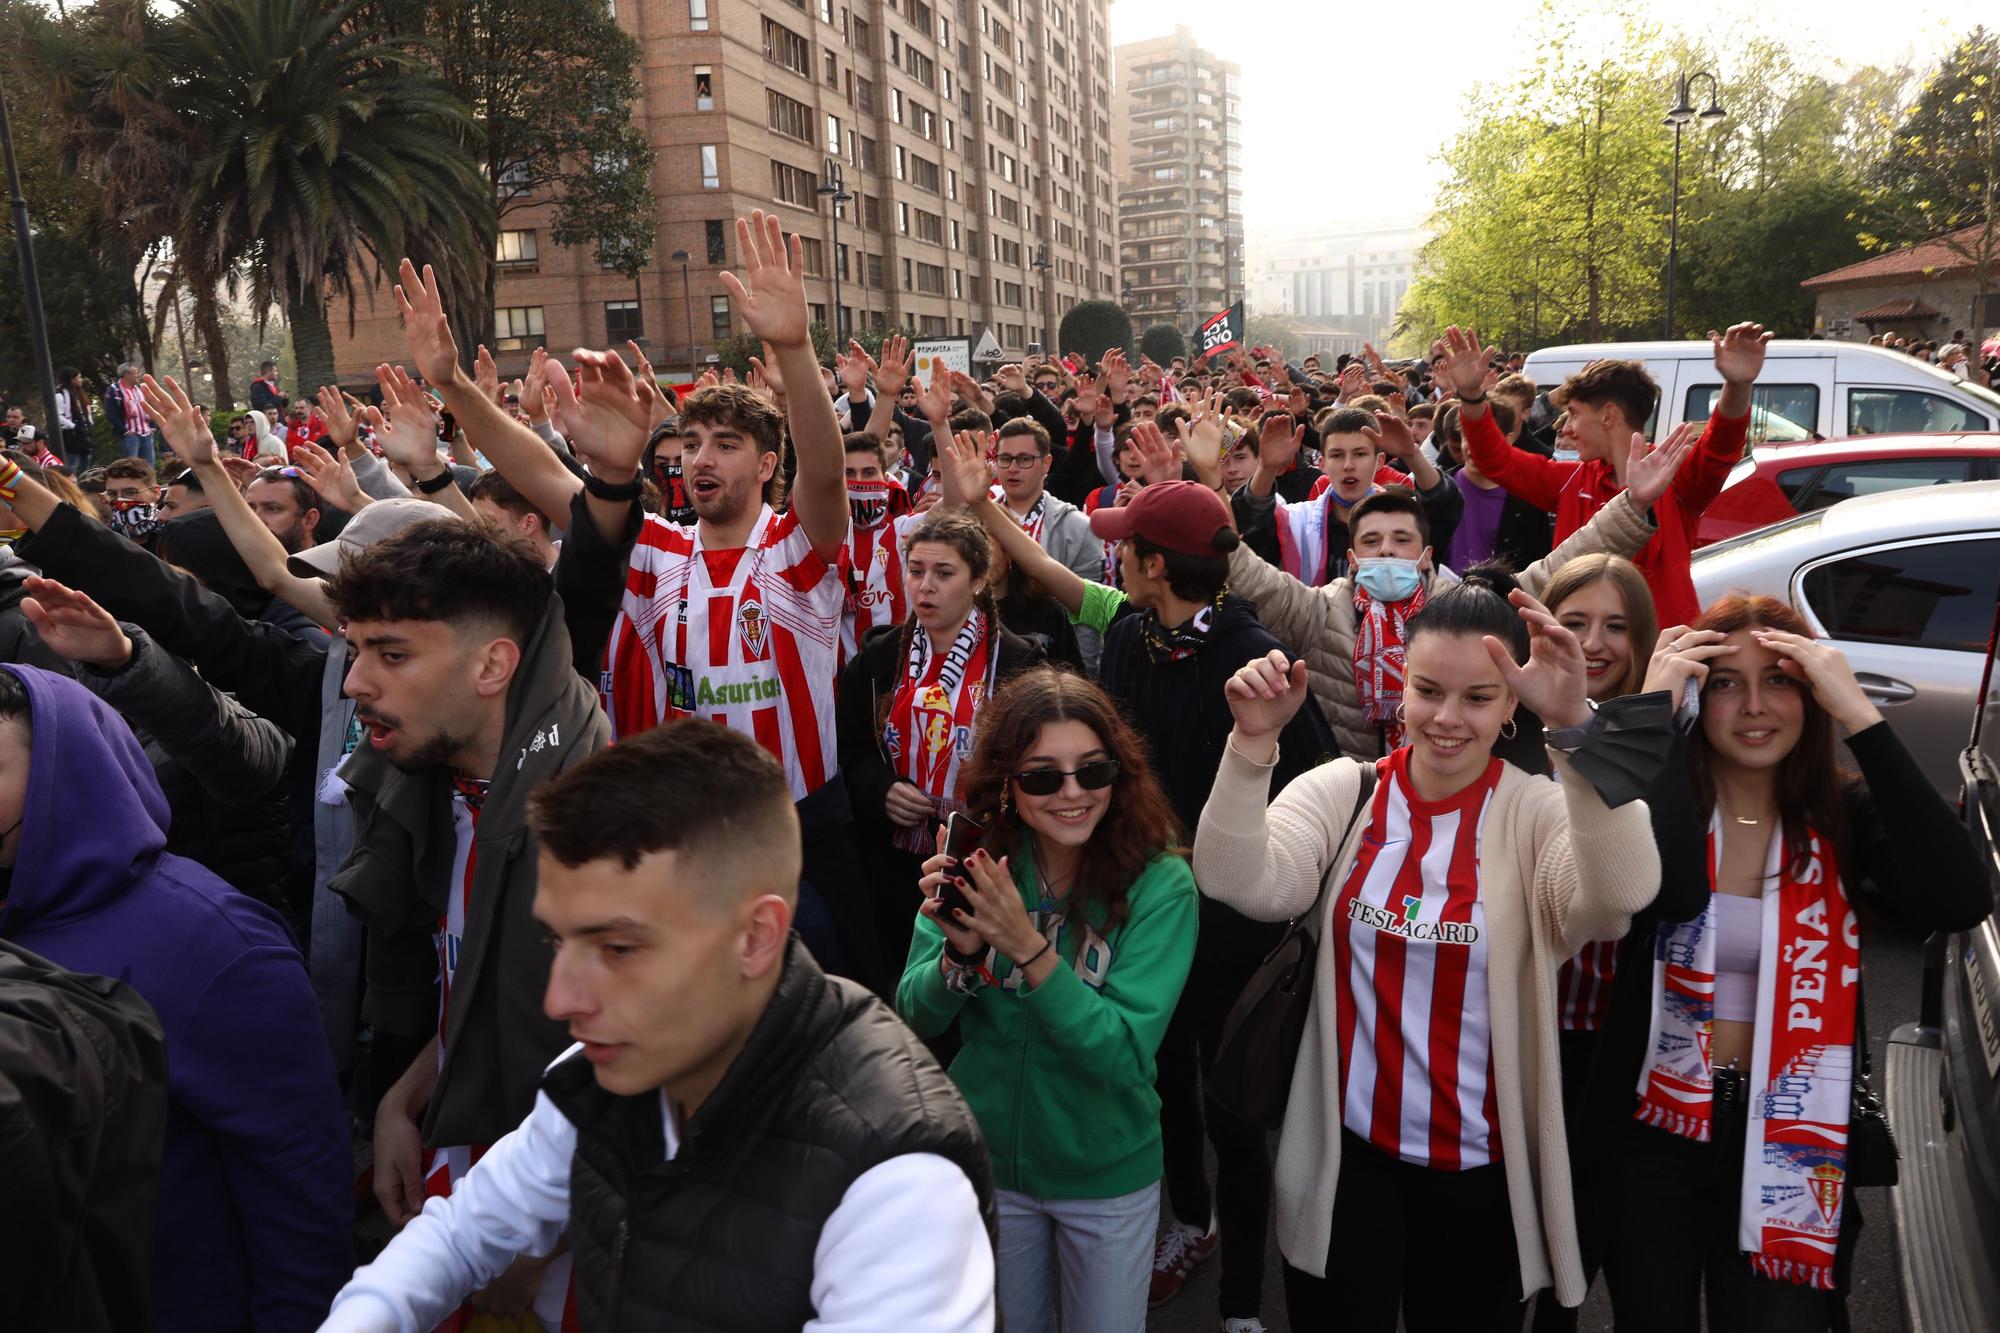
1378 659
1801 1065
929 728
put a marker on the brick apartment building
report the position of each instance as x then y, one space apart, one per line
973 135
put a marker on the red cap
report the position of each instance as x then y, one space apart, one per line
1181 516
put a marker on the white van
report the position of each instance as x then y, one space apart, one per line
1809 389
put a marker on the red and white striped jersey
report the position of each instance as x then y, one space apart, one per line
872 570
748 637
1409 937
1583 987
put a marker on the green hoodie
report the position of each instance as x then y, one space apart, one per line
1061 1076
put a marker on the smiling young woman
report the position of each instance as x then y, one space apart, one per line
1062 978
1728 1167
1426 1099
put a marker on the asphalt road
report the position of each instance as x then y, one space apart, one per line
1894 973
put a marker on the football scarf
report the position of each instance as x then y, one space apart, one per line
1378 659
929 728
1801 1064
1165 645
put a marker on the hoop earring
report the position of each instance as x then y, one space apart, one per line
1399 712
1508 729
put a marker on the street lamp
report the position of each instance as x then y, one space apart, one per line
31 286
1678 116
1044 267
687 307
834 188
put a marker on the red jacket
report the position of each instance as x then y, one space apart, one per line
1575 491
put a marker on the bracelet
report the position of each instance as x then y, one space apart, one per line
616 492
10 478
437 483
1480 399
1046 946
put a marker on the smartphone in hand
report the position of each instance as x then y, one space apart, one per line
962 836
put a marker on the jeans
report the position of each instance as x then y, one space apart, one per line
1672 1230
1436 1246
1102 1250
138 446
1241 1200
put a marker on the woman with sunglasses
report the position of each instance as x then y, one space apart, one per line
1425 1114
1723 1092
1062 969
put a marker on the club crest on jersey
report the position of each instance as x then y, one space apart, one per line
750 621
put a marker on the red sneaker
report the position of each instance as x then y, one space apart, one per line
1180 1248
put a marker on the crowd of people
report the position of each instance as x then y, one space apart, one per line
911 988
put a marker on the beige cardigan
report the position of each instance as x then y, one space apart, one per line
1319 621
1557 869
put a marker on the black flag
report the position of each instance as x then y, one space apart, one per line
1222 332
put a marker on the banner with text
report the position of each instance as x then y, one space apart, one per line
951 353
1222 332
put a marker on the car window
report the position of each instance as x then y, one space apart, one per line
1886 411
1793 480
1844 481
1934 595
1779 413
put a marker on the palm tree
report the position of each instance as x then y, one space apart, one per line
319 152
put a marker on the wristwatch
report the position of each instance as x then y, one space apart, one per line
435 484
1568 738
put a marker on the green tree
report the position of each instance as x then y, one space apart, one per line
91 321
1092 328
1162 342
1272 331
1941 174
550 85
320 150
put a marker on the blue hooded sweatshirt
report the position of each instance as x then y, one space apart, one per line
256 1186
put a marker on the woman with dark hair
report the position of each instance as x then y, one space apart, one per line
909 705
1729 1165
1447 887
74 416
1062 970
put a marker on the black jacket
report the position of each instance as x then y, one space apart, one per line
829 1086
83 1119
1905 859
1179 709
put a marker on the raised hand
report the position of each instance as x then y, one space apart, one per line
184 426
1555 683
1465 361
74 626
964 475
1648 474
1013 378
405 425
1264 695
1117 374
1739 353
486 375
1681 655
1353 382
1392 436
1088 396
1278 442
598 420
853 370
1201 439
529 389
646 388
934 399
971 391
340 427
330 476
892 371
1159 460
771 296
432 350
1825 670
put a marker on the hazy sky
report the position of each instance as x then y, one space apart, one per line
1394 79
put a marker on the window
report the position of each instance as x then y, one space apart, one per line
930 279
704 88
514 180
717 231
812 252
711 171
784 47
793 186
718 317
515 247
622 322
833 135
1779 413
1934 595
1844 481
862 37
903 218
1876 411
875 272
517 327
789 118
930 227
832 70
924 173
698 15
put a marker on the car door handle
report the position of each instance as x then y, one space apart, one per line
1883 689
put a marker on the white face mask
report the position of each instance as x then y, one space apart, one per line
1567 455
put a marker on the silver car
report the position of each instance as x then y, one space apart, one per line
1905 583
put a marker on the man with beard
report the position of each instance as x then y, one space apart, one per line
282 499
735 617
460 675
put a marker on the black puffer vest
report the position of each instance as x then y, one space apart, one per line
830 1085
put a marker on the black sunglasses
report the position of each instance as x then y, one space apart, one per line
1094 776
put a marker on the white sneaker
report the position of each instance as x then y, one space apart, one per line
1243 1326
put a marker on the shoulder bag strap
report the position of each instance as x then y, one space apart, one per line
1310 921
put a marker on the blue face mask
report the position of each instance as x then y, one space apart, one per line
1567 455
1388 579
